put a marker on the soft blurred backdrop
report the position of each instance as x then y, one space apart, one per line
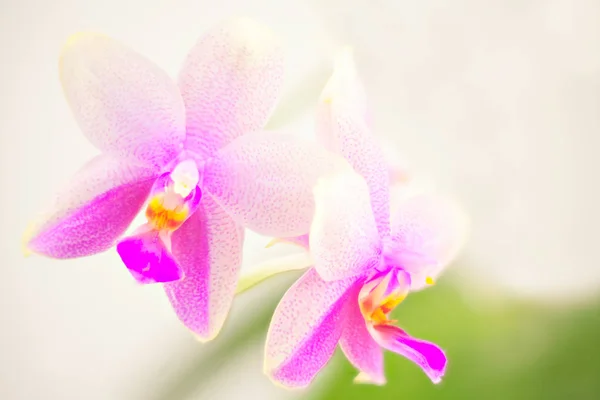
497 102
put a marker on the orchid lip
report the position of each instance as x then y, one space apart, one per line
174 197
148 258
382 293
379 296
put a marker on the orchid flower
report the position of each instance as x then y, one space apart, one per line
193 152
365 262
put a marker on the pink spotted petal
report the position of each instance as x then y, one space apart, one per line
208 246
124 104
343 239
305 329
428 231
265 180
343 127
230 83
426 355
359 347
93 210
148 259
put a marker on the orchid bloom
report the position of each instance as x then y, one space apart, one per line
365 263
192 151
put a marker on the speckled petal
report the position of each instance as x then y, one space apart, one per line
343 239
208 247
230 83
124 104
343 127
265 180
93 210
428 231
359 347
305 329
426 355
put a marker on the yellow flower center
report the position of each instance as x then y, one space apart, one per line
380 296
166 212
168 209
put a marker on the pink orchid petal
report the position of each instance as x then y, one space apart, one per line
94 209
230 83
426 355
359 347
148 259
305 329
265 180
208 247
343 237
343 127
428 231
124 104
